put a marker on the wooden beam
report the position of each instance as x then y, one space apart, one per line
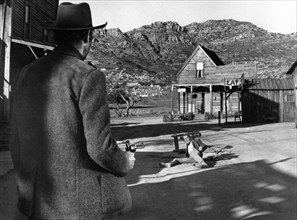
32 44
184 102
211 100
191 96
221 101
225 91
32 51
178 102
172 99
7 41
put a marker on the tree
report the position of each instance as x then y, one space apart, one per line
119 93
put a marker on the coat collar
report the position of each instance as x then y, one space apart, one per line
68 50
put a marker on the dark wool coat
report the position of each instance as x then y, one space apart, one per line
68 166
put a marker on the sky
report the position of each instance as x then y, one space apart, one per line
278 16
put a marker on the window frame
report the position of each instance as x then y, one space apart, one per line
27 22
199 69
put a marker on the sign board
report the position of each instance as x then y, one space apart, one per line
233 82
181 90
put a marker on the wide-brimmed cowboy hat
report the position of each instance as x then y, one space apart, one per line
72 17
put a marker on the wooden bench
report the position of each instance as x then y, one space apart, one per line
179 135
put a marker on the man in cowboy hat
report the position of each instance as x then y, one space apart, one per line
68 166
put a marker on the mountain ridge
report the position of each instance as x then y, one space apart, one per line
161 48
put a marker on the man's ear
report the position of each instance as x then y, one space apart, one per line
89 37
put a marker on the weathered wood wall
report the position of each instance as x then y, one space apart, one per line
40 10
256 104
5 48
216 74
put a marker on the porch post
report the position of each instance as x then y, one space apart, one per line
184 102
203 102
210 99
178 102
221 101
192 107
172 99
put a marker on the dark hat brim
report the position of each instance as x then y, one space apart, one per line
52 26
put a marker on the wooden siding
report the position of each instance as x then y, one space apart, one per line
215 74
40 10
269 84
195 104
257 104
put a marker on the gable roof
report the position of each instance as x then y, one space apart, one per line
209 53
292 69
213 56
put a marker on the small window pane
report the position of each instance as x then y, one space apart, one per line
199 66
27 14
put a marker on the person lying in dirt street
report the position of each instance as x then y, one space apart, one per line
194 153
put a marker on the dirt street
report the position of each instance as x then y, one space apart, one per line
254 178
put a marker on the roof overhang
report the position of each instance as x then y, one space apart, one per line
32 44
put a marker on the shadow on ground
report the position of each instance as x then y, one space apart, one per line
134 130
251 191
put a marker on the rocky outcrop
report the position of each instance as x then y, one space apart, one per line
161 48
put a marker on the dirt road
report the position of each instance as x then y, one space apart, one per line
254 178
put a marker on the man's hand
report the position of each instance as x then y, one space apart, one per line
131 159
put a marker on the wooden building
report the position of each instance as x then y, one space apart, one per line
22 40
268 100
206 85
292 73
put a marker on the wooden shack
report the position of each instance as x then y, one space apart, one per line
292 74
22 40
268 100
206 85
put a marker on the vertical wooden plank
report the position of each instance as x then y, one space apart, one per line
184 102
221 101
187 102
191 97
5 52
172 99
295 90
178 102
210 100
281 105
226 108
203 102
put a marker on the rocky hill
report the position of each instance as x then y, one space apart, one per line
160 49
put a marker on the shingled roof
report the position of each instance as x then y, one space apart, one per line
270 84
213 56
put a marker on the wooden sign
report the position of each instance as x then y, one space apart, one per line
181 90
233 82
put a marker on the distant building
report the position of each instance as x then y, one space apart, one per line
268 100
22 40
292 72
206 85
